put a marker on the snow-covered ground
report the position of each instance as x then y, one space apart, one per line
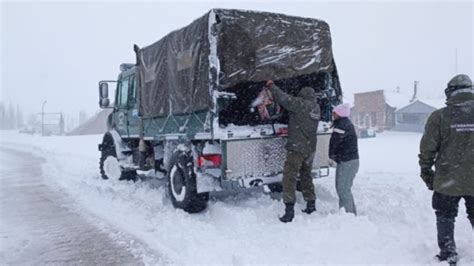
395 225
37 226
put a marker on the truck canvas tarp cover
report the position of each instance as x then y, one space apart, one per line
178 73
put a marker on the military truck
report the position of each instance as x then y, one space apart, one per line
183 112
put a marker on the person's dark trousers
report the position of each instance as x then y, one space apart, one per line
446 209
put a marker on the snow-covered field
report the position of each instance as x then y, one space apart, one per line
395 225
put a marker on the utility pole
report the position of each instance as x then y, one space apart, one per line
42 119
415 91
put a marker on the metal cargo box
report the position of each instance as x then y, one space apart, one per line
244 158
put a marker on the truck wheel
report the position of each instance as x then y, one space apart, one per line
181 182
109 165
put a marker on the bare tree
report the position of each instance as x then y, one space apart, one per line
3 116
19 117
11 118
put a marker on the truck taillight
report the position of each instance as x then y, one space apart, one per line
283 131
209 160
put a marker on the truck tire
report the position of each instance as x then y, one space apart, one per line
181 183
109 165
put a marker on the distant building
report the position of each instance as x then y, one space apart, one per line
392 110
413 117
94 125
371 110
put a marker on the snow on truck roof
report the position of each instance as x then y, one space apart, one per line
226 47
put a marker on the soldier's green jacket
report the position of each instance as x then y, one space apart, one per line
448 144
304 113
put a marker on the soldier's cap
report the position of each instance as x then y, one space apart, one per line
460 83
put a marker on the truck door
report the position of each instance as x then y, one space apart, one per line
133 121
121 114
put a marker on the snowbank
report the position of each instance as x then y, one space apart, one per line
396 224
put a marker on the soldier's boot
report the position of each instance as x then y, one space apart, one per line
446 242
451 259
310 207
289 213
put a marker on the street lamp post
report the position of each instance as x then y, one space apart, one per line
42 119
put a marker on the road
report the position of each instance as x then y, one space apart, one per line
37 227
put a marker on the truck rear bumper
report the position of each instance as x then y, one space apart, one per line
253 162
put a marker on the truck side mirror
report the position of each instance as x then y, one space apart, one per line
104 101
104 90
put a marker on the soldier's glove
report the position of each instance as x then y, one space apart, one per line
428 177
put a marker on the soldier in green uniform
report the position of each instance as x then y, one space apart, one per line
304 112
448 145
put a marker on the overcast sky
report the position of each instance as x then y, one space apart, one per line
59 51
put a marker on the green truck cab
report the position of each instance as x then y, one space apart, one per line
183 116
